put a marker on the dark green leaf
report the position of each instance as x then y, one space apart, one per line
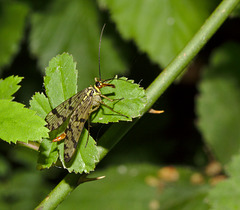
132 186
225 195
73 26
22 190
12 19
219 102
233 167
160 28
4 166
127 182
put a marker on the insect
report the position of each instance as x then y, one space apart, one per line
77 109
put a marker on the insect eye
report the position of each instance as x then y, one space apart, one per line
98 84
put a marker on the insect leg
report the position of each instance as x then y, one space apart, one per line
88 130
93 110
113 109
107 98
110 98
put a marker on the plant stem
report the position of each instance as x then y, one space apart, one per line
154 91
31 144
177 66
60 192
171 72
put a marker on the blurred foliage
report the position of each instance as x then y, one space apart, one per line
140 186
139 39
13 20
160 28
72 26
226 194
22 187
219 102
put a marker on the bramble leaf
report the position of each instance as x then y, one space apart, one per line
61 79
19 123
158 27
129 100
40 103
9 86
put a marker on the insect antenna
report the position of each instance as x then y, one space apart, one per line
99 69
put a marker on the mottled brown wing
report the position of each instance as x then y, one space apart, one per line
58 115
75 127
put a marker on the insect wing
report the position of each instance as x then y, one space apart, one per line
75 127
58 115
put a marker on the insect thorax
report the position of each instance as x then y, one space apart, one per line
95 93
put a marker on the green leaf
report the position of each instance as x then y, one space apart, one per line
219 102
225 195
158 27
24 156
40 104
9 86
183 193
4 166
236 12
61 79
63 27
12 19
129 99
48 154
19 123
24 188
60 83
128 184
233 167
86 155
